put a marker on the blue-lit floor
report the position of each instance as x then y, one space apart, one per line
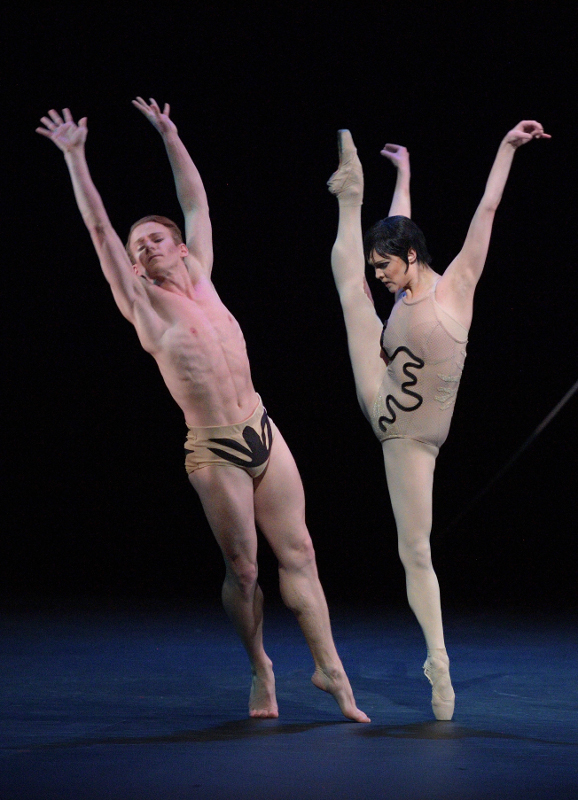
150 705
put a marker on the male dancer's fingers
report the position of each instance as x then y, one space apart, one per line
142 106
55 116
67 115
167 109
48 122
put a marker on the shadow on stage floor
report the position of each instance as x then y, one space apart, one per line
140 704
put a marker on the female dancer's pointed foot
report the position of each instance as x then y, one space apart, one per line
262 700
437 671
347 182
337 684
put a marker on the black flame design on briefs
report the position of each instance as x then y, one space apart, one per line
257 450
414 363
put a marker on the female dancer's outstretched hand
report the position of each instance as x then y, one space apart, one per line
397 154
65 133
158 119
524 132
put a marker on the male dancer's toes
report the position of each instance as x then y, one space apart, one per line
262 700
347 182
336 682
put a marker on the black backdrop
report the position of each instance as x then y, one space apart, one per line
98 501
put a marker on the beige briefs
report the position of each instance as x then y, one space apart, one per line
246 444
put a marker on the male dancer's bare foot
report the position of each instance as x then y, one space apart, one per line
337 683
347 182
262 700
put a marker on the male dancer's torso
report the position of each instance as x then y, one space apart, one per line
200 351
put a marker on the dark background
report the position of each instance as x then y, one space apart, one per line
98 500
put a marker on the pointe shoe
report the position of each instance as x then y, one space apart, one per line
437 671
347 182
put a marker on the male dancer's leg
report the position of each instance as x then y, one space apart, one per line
280 514
227 497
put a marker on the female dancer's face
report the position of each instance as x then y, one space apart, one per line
392 271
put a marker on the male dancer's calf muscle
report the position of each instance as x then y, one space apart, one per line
164 289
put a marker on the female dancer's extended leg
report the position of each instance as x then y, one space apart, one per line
409 467
348 264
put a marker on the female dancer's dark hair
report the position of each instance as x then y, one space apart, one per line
396 236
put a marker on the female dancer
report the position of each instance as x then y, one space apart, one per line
407 380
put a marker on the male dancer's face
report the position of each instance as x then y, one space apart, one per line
154 250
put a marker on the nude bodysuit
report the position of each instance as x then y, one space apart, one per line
425 350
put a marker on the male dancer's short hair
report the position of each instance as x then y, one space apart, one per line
165 221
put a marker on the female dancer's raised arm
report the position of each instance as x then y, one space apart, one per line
455 291
401 202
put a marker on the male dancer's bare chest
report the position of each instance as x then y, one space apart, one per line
199 333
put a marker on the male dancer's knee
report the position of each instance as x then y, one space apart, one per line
241 576
298 557
298 577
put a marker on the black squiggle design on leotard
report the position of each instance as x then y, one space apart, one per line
390 400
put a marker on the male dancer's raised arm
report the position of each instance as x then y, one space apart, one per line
189 185
128 291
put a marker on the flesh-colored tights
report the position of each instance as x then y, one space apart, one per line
409 468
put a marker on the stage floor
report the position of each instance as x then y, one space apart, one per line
150 704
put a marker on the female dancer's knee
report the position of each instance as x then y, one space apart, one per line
415 554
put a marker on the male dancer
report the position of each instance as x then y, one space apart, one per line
237 460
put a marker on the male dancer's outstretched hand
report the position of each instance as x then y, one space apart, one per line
65 133
158 119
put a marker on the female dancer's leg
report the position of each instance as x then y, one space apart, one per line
348 263
409 468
